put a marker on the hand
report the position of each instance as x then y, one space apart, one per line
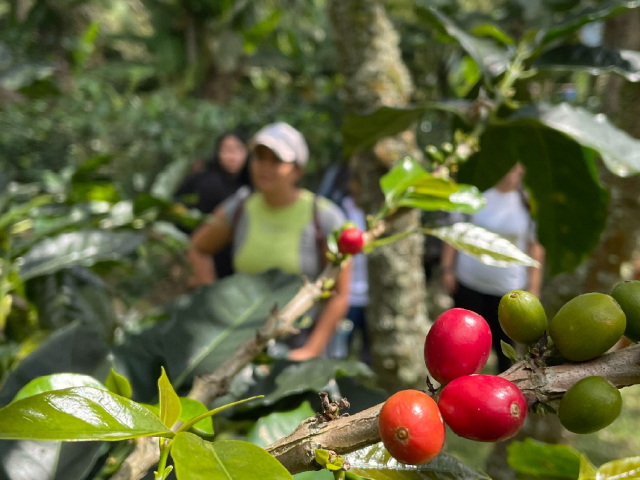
449 282
303 353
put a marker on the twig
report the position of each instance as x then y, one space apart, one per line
297 451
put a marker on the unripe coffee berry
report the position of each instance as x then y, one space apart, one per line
483 407
411 427
350 241
458 344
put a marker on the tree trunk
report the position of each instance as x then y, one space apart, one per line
369 58
612 259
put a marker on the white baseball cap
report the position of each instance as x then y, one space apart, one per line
285 141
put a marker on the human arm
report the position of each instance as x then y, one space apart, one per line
334 310
447 265
208 239
536 251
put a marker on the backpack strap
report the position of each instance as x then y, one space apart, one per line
236 218
321 242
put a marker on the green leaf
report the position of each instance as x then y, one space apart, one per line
78 413
277 425
204 329
595 60
77 248
508 351
379 242
170 406
400 178
362 131
488 30
588 471
408 184
569 204
620 151
488 247
196 459
560 461
574 21
463 76
375 463
491 57
622 468
56 381
118 384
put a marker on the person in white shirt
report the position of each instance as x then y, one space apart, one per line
479 287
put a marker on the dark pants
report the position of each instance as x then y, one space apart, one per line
487 306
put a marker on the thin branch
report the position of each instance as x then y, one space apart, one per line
297 451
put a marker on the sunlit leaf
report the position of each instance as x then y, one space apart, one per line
118 384
56 381
619 469
196 459
170 406
488 247
78 413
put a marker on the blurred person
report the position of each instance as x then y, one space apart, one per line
479 287
278 226
222 176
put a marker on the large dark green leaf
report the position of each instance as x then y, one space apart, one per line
560 461
361 131
595 60
486 246
375 463
196 459
574 21
71 295
78 248
620 151
570 205
78 413
204 330
277 425
56 381
491 57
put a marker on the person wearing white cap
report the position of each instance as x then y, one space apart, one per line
278 226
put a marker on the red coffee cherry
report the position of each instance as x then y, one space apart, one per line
411 427
350 241
483 407
458 344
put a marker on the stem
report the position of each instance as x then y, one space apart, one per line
165 447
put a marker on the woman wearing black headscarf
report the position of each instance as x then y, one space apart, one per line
225 173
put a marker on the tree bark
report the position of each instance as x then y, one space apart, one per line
370 60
